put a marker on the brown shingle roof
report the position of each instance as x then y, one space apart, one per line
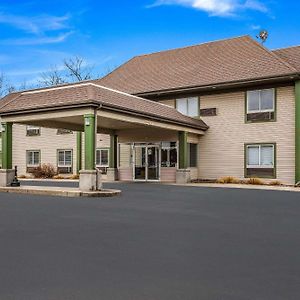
237 59
90 93
291 55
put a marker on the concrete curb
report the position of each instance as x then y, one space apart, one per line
240 186
56 191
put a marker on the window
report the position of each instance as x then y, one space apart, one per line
64 161
168 154
33 158
260 105
102 157
33 130
260 160
64 158
188 106
193 151
63 131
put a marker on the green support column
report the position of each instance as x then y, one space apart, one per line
7 146
89 142
113 153
183 150
297 132
79 151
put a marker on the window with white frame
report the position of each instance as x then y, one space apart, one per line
33 158
33 130
168 154
260 160
261 105
188 106
65 158
102 157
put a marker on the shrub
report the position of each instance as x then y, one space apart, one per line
255 181
275 182
44 171
22 176
228 179
75 176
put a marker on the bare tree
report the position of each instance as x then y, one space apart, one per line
52 77
5 86
77 69
74 69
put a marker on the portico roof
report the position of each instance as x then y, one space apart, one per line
89 94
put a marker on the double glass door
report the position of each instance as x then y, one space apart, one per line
146 163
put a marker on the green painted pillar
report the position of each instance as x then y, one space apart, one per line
113 153
297 132
183 150
79 151
7 146
89 142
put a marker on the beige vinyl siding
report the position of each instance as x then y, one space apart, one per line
221 151
168 102
48 142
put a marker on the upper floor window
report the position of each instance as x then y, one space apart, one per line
260 105
188 106
33 130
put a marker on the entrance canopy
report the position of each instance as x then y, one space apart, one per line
64 106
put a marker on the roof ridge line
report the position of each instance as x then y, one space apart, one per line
276 56
196 45
285 48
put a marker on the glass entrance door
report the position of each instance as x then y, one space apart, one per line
140 163
152 163
146 163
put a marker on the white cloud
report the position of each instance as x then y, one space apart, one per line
217 7
37 24
37 40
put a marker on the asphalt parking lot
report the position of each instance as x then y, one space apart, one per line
152 242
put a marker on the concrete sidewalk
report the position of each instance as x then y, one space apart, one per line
58 191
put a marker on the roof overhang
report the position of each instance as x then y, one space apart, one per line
220 87
108 120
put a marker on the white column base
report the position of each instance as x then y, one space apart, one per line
90 181
6 177
183 176
112 174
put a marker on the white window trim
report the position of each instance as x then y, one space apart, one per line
33 165
100 165
65 165
187 105
260 110
260 166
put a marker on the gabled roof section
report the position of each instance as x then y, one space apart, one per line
91 94
290 55
225 61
